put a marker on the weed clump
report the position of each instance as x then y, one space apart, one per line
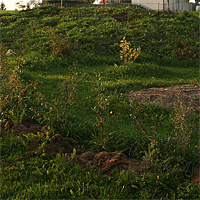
59 46
175 155
55 113
17 97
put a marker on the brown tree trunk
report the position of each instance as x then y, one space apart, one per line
168 5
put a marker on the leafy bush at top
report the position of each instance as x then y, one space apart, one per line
42 11
6 20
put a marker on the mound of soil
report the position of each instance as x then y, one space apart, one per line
104 161
189 95
107 162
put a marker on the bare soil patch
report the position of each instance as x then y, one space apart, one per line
189 95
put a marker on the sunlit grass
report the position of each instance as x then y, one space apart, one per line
95 35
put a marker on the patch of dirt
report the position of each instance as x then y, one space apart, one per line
196 175
107 162
189 95
104 161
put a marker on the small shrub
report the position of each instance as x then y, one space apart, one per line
101 110
59 46
54 114
17 97
174 155
128 53
182 130
184 50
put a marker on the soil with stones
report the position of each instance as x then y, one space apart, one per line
106 162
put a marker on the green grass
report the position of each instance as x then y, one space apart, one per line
50 178
64 47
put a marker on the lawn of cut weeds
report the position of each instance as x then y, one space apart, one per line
99 103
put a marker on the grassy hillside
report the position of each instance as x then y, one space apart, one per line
68 73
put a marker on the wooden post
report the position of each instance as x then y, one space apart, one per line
61 3
168 5
163 5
